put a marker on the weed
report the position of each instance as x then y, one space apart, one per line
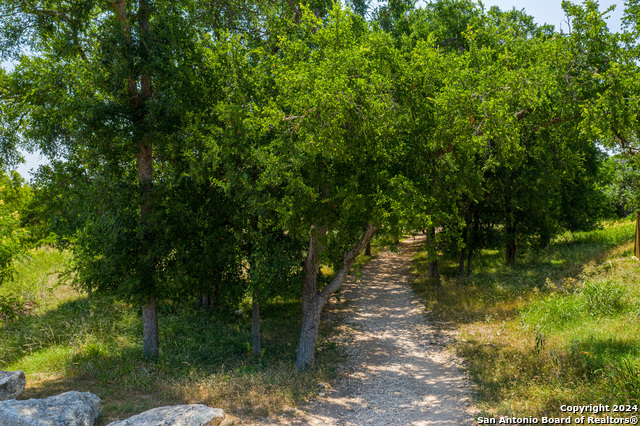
624 379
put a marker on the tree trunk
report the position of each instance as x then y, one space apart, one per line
473 240
255 327
311 310
203 300
150 347
149 311
367 250
432 270
214 300
144 163
312 300
432 257
463 253
142 135
511 249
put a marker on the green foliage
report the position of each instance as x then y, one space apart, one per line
624 379
621 183
169 236
601 298
59 204
333 120
194 146
16 193
12 196
9 305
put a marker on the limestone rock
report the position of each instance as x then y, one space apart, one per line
11 384
177 415
67 409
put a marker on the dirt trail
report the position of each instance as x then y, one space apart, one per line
400 371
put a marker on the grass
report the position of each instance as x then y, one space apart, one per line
562 327
63 340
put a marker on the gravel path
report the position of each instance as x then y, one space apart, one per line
399 370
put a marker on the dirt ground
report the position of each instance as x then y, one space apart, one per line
400 370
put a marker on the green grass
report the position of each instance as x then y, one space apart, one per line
37 281
562 327
63 340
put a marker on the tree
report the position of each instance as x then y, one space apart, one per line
495 122
109 94
608 65
333 152
16 192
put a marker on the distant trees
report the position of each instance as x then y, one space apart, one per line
508 153
607 64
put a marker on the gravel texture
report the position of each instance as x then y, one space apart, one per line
400 369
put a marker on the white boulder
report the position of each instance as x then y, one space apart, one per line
176 415
11 384
67 409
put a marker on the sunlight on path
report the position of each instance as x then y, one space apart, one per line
399 370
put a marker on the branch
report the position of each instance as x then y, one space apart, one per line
555 120
477 132
312 261
51 12
349 258
619 136
296 11
624 143
119 8
523 113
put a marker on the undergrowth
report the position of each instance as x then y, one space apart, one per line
64 340
562 327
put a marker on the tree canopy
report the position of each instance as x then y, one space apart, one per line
214 151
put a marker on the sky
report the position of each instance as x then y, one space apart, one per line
544 11
550 11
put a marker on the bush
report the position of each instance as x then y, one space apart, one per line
9 305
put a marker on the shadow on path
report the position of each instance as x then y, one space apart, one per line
399 371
